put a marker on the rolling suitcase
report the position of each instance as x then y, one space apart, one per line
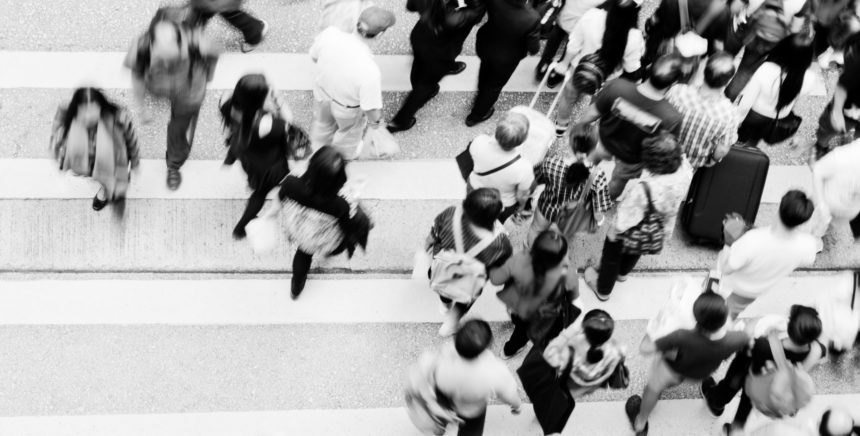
733 185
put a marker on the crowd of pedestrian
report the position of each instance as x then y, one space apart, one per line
667 105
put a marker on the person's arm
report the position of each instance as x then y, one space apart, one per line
370 96
499 276
631 64
667 343
130 138
210 52
524 187
837 117
533 39
733 257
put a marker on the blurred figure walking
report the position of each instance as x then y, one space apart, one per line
253 29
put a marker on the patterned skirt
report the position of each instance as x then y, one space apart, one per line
310 230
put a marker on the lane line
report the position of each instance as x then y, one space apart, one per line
670 417
288 71
432 179
345 301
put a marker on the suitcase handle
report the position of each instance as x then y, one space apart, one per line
543 81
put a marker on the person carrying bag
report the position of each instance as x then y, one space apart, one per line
782 392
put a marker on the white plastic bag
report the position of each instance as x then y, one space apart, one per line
839 324
676 314
263 232
377 143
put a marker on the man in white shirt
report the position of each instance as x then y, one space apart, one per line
836 178
348 89
499 165
758 260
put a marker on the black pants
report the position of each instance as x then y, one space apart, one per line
729 386
255 204
425 77
557 37
492 77
301 267
251 27
473 426
519 337
613 262
180 132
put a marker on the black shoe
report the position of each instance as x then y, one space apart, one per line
239 233
704 388
297 285
174 179
457 68
394 127
554 79
632 407
472 120
99 204
540 71
511 349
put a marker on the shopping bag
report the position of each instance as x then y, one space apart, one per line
839 324
676 314
378 143
262 233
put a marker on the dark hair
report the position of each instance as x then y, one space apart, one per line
584 142
710 311
482 207
804 325
182 22
473 338
84 96
547 252
433 16
248 98
661 153
795 208
326 173
619 21
298 142
576 174
719 69
597 326
665 71
793 55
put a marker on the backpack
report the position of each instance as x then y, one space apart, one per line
781 392
590 73
456 274
769 21
646 237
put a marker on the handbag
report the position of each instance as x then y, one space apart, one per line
620 378
578 215
378 143
556 314
646 237
782 392
545 387
783 129
465 162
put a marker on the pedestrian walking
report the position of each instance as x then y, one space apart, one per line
836 180
604 44
538 286
709 19
460 229
174 61
646 214
754 264
319 220
767 101
629 114
94 137
512 30
568 16
253 29
437 39
801 348
687 355
840 121
262 138
710 122
348 88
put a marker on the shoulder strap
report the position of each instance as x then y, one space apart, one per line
457 225
484 243
499 168
777 351
651 207
587 186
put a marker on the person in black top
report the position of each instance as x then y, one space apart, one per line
437 39
512 30
261 140
801 347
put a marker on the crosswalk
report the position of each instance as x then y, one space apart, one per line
161 324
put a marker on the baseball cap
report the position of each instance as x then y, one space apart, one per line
376 20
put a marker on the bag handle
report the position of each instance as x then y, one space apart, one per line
500 167
542 83
777 351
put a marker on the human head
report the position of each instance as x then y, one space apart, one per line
165 35
804 325
794 56
549 249
88 106
665 72
512 130
482 207
473 338
661 154
576 174
373 21
248 96
710 311
326 173
836 422
719 70
597 326
795 208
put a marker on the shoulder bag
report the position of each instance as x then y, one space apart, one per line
782 392
646 237
578 215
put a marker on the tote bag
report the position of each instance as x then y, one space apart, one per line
578 215
646 237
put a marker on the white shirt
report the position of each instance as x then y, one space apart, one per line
346 71
762 92
471 383
840 173
587 38
573 10
488 155
760 258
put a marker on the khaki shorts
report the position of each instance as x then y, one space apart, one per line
663 377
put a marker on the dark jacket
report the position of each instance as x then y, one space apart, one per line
511 32
444 45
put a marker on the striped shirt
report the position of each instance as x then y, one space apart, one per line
710 122
443 239
557 192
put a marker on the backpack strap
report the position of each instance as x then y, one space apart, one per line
484 243
777 351
499 168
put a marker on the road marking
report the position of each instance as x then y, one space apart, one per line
432 179
287 71
341 301
670 417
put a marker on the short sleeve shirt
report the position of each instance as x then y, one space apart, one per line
346 71
488 155
760 259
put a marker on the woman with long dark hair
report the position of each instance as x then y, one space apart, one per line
766 103
319 219
611 32
534 283
94 137
261 138
437 39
